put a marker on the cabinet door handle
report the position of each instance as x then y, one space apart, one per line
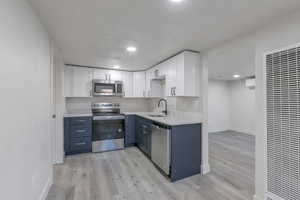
80 143
81 120
81 131
144 93
174 91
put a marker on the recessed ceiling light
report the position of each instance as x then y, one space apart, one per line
236 76
176 1
116 67
131 49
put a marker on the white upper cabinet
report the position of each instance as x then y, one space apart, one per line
77 81
100 74
183 77
107 75
177 76
139 84
114 75
128 84
149 77
171 79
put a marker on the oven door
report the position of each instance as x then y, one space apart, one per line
104 89
108 133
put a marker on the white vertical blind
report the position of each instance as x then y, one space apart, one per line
283 124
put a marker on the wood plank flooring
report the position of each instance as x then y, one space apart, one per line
129 175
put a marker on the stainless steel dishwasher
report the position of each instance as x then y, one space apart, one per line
161 147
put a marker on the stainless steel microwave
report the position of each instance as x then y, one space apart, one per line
107 88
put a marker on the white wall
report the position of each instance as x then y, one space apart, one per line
242 105
278 35
218 106
230 106
25 157
282 33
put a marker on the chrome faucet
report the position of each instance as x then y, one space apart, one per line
166 106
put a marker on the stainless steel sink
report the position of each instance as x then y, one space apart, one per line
156 115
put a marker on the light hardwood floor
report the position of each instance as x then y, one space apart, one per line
129 175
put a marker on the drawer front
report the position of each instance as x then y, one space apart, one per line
145 127
83 143
81 131
83 121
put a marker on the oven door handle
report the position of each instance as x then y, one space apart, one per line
103 118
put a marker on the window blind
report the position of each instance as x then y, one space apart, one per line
283 124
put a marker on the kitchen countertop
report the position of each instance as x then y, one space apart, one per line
78 113
171 120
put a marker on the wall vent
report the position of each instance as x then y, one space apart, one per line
283 124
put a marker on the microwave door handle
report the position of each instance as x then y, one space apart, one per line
116 88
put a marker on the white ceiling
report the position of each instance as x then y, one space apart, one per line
96 32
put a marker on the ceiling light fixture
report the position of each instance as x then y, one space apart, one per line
176 1
131 49
116 67
236 76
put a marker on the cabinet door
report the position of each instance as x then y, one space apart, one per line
139 79
128 84
180 75
171 79
114 75
78 81
138 131
100 74
149 76
129 130
68 72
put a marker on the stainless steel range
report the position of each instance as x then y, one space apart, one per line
108 127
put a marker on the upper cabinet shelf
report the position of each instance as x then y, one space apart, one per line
178 76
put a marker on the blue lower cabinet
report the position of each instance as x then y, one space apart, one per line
130 130
186 151
77 135
143 132
80 144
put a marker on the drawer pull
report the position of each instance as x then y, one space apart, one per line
81 131
80 143
80 120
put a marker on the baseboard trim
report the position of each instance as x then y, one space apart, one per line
46 189
255 197
241 132
205 169
273 196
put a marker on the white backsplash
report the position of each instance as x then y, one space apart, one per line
127 104
183 106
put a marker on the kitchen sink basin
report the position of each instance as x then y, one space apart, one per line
156 115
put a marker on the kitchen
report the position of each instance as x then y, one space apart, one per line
101 122
139 99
